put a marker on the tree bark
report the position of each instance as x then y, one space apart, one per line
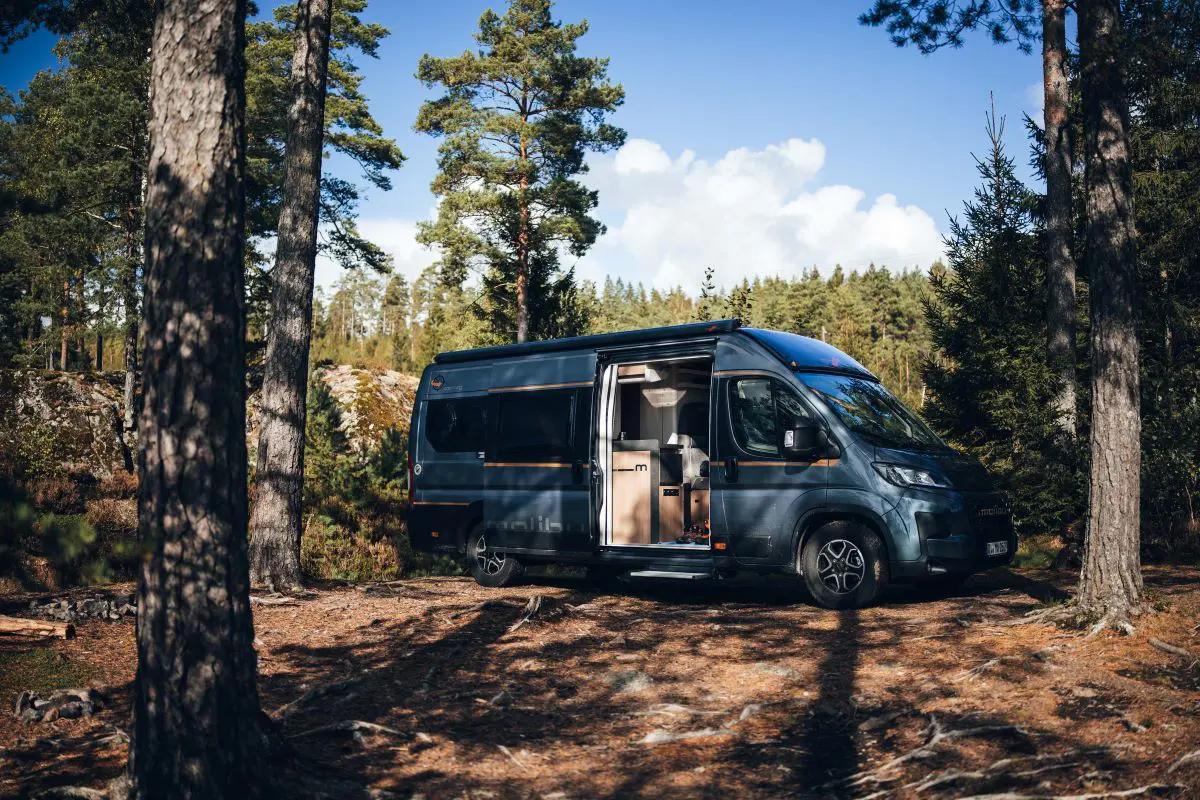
62 354
523 266
198 730
1060 264
133 254
1111 583
279 480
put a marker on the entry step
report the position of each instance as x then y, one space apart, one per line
663 573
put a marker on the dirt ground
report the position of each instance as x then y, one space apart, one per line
739 689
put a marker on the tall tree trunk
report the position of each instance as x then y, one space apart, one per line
66 299
523 240
279 479
1111 583
1060 264
523 269
198 730
133 255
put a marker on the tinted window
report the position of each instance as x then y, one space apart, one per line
457 425
534 426
760 409
866 408
753 415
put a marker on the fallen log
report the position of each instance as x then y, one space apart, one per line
18 626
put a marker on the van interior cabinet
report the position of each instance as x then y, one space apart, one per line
670 513
632 491
697 506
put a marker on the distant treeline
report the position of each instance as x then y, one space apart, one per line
875 315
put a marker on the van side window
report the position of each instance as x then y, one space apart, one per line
760 409
457 424
752 411
534 426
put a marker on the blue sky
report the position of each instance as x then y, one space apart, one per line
723 104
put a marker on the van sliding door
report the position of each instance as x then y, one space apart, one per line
537 470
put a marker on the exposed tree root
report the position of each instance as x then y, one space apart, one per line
315 692
357 728
937 735
1152 787
1190 758
1072 615
1167 647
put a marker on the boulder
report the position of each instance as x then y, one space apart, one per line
372 401
69 418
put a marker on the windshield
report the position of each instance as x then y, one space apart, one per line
870 411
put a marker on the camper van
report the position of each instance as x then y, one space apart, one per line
693 452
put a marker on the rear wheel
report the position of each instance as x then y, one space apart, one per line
491 567
844 565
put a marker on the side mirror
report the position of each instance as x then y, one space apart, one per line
804 439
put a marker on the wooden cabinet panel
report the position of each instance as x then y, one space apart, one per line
697 506
670 513
631 495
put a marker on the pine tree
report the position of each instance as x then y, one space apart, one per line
275 523
517 118
1110 586
197 728
943 23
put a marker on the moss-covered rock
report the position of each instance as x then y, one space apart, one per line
61 422
372 402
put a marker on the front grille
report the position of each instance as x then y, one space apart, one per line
992 522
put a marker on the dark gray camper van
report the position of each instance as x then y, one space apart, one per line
693 451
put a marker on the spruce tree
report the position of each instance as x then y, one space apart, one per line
990 387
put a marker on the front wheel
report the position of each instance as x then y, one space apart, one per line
490 567
844 565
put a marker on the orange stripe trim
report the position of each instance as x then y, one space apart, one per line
438 503
574 385
553 465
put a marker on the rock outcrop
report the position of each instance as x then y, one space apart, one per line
71 421
371 401
67 418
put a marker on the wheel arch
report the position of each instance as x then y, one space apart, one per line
818 518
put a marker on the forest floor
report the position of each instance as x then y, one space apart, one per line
738 689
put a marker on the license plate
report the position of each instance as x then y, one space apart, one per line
997 548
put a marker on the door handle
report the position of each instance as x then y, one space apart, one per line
731 469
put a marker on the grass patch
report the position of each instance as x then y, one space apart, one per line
1037 552
41 670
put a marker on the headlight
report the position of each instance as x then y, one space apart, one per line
912 476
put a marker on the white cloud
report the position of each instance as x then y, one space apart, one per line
397 236
1035 98
750 212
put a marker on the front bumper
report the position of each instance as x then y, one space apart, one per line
954 532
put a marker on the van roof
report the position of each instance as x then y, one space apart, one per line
798 352
808 355
691 330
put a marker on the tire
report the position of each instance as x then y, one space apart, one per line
488 567
845 565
